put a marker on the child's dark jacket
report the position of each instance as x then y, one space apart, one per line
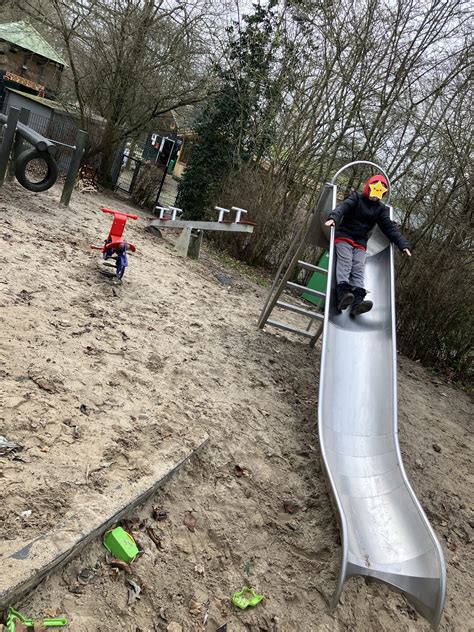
359 215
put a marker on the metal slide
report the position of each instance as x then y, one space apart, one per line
384 531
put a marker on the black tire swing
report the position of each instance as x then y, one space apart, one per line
21 165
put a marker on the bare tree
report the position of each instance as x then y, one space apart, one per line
129 61
382 81
323 84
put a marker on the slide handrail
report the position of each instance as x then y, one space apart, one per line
385 533
364 162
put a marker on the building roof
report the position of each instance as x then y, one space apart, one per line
25 36
71 110
52 105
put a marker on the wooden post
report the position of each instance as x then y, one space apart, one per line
23 118
8 138
81 138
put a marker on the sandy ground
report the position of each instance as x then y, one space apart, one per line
95 376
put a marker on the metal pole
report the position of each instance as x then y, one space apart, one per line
136 171
37 140
81 138
23 118
164 173
161 186
363 162
8 138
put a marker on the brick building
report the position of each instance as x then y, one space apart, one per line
28 62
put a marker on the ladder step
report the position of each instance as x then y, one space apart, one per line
294 330
310 266
302 289
300 310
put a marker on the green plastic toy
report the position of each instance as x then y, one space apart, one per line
13 616
246 597
121 545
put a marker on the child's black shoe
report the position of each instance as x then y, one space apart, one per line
344 296
359 306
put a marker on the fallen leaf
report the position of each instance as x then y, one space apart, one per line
92 351
194 607
51 384
21 459
189 521
240 471
163 614
289 507
155 537
7 446
123 566
20 627
85 576
133 592
75 589
199 569
39 627
159 514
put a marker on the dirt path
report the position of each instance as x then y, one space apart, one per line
99 374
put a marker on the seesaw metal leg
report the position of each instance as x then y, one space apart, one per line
195 244
189 243
182 243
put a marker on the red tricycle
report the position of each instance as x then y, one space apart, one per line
114 246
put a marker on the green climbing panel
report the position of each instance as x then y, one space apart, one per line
318 282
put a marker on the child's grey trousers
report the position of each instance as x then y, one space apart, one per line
350 264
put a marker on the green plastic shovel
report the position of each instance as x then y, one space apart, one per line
14 616
245 598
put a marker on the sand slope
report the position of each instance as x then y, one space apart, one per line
95 376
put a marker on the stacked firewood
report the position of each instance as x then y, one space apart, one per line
86 181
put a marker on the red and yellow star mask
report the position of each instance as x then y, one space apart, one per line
377 190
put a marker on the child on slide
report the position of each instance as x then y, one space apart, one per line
356 216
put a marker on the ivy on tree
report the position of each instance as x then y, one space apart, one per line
234 126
